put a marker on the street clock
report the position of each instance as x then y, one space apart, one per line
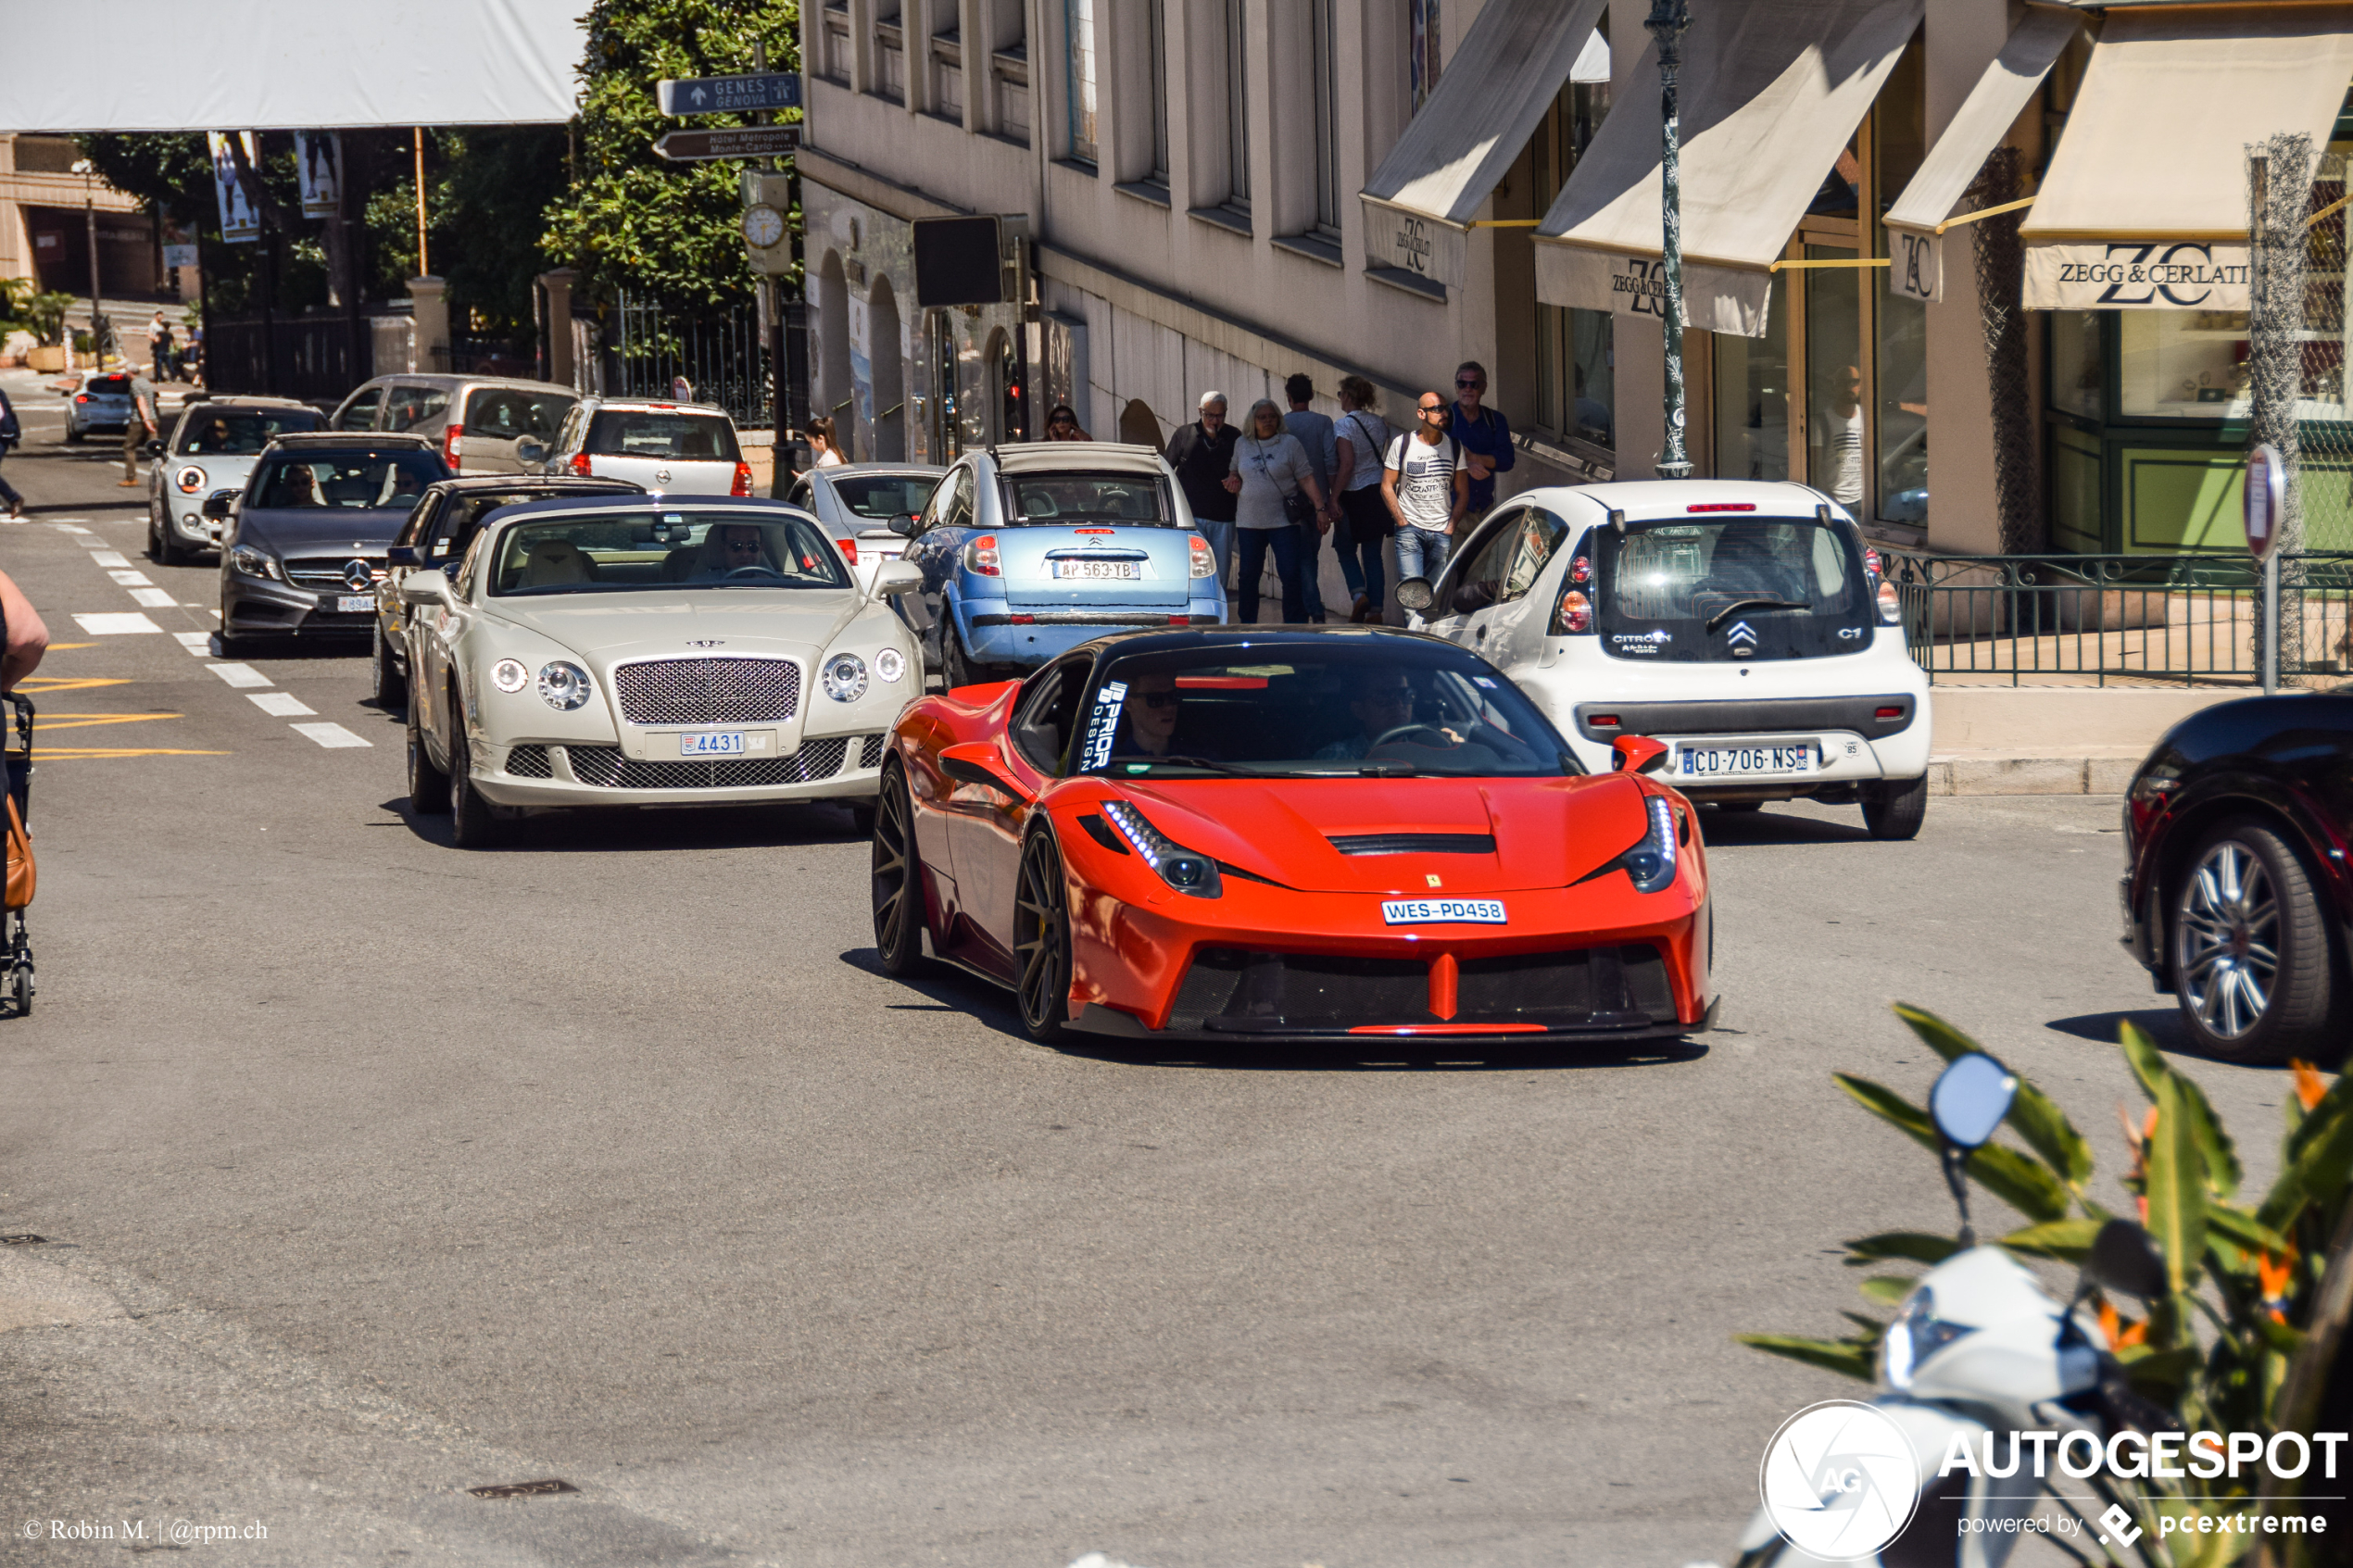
764 226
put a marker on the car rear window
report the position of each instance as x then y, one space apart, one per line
886 496
620 433
1732 588
1086 498
240 433
112 386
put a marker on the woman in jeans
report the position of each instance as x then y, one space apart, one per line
1365 522
1269 468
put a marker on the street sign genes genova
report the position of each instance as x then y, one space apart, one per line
729 94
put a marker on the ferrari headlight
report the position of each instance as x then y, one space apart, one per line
565 686
511 675
845 677
1650 864
190 480
891 664
253 562
1916 1334
1187 870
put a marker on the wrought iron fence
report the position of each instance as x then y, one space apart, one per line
722 356
309 357
2185 619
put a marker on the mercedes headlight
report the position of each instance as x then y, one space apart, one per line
253 562
845 677
509 675
565 686
1916 1334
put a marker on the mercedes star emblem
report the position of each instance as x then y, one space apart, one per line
360 575
662 475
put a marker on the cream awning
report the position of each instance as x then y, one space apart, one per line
2009 84
1772 92
2145 204
1510 65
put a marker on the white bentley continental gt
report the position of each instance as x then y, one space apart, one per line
638 650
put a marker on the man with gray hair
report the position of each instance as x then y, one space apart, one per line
1202 455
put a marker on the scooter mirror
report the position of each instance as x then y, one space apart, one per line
2123 1259
1970 1098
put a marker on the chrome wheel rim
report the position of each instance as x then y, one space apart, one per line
891 849
2226 940
1039 932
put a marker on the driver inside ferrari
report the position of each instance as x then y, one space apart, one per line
1384 704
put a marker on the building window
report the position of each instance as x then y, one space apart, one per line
1899 378
1009 69
1156 25
1325 47
1237 109
948 73
833 53
1421 49
890 53
1576 350
1752 394
1078 76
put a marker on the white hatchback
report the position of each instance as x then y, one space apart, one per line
1745 624
670 449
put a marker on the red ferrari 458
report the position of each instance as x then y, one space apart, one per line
1299 835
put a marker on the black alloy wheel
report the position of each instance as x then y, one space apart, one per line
1042 941
428 785
474 822
392 687
1895 809
898 877
2253 969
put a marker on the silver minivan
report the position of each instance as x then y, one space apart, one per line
478 422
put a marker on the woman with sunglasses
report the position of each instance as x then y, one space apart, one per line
1274 483
1061 425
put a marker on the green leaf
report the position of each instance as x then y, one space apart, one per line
2318 1174
2159 1373
2316 1123
2067 1240
1888 1290
2015 1178
2176 1186
1841 1356
2148 1066
1915 1247
1891 1107
2242 1229
2045 1129
1939 1036
2223 1172
2287 1341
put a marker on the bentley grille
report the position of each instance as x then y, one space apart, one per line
608 767
529 762
709 691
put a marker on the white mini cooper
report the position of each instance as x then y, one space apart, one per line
642 650
1744 623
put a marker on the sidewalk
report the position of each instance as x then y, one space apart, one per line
2060 739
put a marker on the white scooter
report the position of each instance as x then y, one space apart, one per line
1981 1351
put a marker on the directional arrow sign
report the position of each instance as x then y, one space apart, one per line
729 94
756 141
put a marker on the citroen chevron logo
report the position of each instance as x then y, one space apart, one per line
1742 632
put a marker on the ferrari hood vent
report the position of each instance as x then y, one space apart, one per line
1413 843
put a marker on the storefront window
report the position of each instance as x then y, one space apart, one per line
1576 357
2075 363
1899 139
2176 364
1836 428
1752 396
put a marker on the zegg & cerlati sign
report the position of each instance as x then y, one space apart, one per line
2138 275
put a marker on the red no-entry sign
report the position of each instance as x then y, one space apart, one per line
2266 498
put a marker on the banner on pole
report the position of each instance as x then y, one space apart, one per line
239 223
319 164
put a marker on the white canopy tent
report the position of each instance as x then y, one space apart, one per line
288 65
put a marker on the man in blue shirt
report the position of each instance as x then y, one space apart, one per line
1485 436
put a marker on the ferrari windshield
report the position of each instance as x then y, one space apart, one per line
1335 706
630 552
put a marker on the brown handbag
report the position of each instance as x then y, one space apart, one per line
20 887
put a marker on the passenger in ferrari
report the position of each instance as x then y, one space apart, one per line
1148 717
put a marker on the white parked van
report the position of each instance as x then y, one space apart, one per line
1746 624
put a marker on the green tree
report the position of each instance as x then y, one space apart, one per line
632 221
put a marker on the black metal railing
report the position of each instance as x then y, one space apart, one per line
722 353
310 356
2191 620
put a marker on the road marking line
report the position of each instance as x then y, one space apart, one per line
197 642
60 648
282 705
132 578
91 753
115 626
154 599
83 720
68 528
333 736
109 558
239 675
34 685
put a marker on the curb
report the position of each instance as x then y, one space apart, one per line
2017 773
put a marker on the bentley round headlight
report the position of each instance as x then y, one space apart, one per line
845 677
564 686
509 675
891 664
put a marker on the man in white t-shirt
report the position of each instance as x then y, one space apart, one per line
1838 433
1427 485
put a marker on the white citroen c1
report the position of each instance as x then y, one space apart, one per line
1744 623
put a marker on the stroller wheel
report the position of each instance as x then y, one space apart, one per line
21 987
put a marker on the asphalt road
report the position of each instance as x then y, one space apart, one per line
372 1171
